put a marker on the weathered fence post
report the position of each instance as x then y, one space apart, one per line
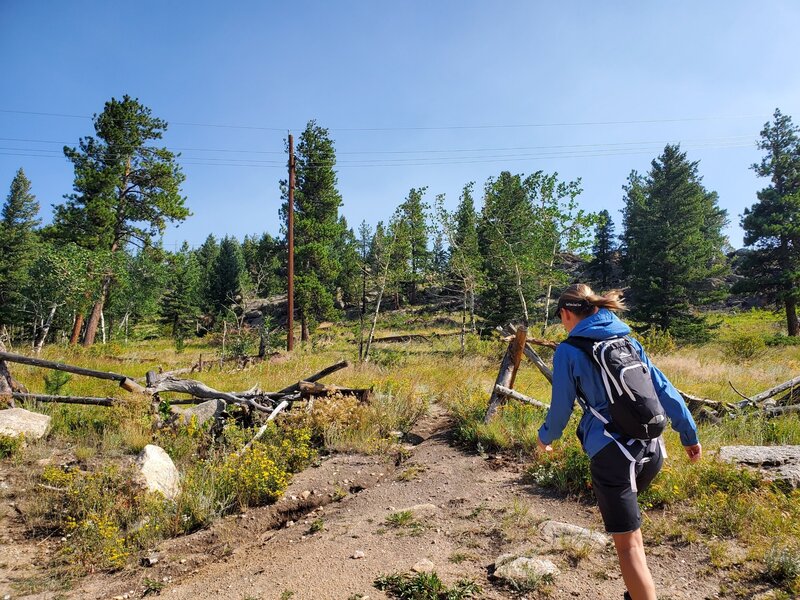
508 371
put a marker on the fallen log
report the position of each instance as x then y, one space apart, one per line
295 387
309 389
786 385
65 399
402 338
518 396
198 390
124 381
507 374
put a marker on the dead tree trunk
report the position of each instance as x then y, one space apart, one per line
45 329
76 329
508 372
97 310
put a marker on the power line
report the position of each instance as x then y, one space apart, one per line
426 128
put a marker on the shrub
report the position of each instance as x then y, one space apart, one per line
97 513
744 346
657 341
10 445
565 469
425 586
782 564
253 478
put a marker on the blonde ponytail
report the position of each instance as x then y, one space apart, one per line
583 298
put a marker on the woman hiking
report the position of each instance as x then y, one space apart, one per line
621 465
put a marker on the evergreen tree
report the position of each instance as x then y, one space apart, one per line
180 304
126 190
18 220
674 246
207 255
604 247
412 240
318 230
772 225
465 256
228 276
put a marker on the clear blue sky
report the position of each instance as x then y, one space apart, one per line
415 93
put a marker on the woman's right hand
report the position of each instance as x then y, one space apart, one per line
694 452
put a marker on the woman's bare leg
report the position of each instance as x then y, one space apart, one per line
632 562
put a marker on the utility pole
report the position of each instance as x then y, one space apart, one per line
290 308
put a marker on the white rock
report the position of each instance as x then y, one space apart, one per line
555 530
358 554
16 421
159 472
423 566
305 494
522 570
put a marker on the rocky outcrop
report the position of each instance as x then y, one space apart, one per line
777 463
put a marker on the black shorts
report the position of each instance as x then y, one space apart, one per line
611 480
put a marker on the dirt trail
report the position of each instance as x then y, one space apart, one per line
468 510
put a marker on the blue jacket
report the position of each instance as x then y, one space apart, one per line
572 367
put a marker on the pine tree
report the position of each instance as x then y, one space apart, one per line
318 230
465 255
772 225
412 240
228 275
674 245
207 255
180 304
18 220
604 247
126 190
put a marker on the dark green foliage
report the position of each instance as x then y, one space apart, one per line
673 245
772 225
180 304
604 247
206 261
227 276
508 246
17 247
265 260
412 257
125 189
318 230
526 223
425 586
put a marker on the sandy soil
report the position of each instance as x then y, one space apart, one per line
468 509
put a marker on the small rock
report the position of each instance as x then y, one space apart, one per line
555 530
358 554
305 494
289 523
521 570
423 566
149 561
